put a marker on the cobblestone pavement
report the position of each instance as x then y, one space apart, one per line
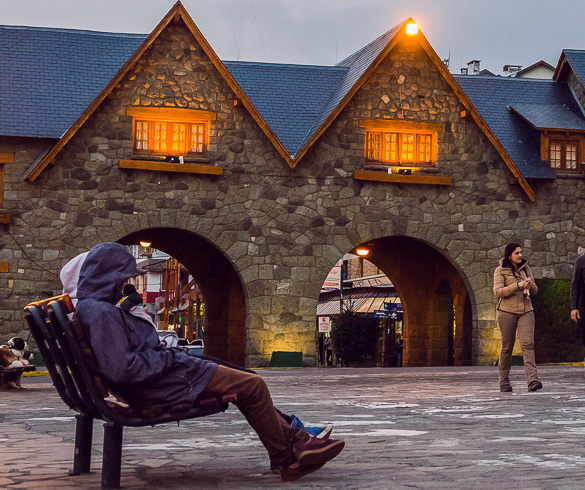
410 428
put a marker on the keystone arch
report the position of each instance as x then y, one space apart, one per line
436 303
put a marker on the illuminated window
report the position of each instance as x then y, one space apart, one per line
185 138
170 131
564 155
399 148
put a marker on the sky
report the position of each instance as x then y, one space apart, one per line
323 32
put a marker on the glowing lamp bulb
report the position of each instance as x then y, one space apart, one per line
144 243
362 252
412 28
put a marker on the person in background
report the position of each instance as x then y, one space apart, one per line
513 286
578 294
130 298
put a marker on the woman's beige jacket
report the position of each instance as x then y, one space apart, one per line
512 298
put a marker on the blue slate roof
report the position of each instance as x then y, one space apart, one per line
288 97
493 98
549 116
576 59
48 77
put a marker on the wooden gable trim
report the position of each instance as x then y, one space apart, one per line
477 117
176 12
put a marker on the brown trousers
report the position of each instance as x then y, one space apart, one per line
524 323
255 403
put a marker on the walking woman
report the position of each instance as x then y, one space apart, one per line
513 286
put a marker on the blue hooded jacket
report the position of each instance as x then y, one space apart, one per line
130 356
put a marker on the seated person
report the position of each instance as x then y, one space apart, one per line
142 370
130 298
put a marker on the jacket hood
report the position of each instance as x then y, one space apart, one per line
70 275
104 272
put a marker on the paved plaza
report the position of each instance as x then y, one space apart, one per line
408 428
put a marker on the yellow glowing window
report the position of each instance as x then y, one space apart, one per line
400 148
170 137
373 146
142 135
160 136
197 138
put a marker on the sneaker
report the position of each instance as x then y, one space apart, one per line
296 471
317 451
325 433
535 385
313 431
506 388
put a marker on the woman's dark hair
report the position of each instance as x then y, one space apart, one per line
508 251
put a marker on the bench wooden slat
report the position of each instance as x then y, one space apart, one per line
65 347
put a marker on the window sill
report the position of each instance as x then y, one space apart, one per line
376 167
569 175
189 168
401 179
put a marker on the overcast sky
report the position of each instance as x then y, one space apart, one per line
497 32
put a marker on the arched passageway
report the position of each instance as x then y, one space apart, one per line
438 320
219 283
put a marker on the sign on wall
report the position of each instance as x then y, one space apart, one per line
324 325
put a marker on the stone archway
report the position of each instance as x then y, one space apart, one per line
219 283
436 302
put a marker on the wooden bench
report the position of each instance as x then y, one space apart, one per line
10 377
70 360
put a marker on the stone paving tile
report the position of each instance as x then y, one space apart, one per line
412 428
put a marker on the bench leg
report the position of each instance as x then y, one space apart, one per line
112 457
83 440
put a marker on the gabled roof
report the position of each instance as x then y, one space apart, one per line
177 13
48 77
514 108
571 59
538 64
292 104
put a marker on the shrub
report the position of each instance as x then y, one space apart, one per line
556 337
355 337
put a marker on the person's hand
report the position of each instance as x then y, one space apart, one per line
575 315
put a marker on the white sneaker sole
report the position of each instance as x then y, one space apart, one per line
326 432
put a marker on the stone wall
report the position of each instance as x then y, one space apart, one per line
281 230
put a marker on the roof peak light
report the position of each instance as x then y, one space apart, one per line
412 28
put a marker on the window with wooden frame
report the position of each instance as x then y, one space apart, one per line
401 143
170 131
563 150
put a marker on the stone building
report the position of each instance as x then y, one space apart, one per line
259 177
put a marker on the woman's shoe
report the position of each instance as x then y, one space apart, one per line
534 385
